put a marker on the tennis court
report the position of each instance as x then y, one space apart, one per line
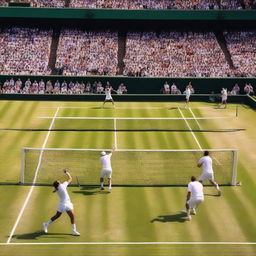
142 214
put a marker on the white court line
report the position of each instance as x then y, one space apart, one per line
133 243
131 118
34 180
115 134
217 161
193 134
195 119
67 107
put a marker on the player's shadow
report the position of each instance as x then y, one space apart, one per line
36 235
29 236
90 191
180 217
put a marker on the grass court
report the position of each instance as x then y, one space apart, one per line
130 220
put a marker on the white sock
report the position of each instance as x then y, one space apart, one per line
102 184
74 227
49 222
217 187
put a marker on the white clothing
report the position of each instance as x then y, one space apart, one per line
196 190
206 163
188 93
64 203
224 95
193 203
106 173
106 162
207 176
108 94
64 207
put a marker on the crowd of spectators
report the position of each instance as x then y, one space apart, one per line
124 4
144 4
242 48
87 52
174 90
248 89
49 87
174 54
48 3
25 50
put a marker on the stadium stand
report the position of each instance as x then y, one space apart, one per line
24 50
87 52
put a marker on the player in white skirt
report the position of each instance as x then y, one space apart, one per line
195 196
108 97
106 171
206 163
224 97
65 204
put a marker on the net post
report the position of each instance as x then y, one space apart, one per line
236 110
234 169
22 170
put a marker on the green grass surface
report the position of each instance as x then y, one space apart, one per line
137 214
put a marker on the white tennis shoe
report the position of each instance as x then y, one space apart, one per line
45 226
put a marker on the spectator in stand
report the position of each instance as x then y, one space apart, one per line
49 87
121 89
166 89
235 90
248 89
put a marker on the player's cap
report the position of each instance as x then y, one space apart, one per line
103 153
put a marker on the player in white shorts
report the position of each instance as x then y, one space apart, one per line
206 163
224 97
106 171
65 204
108 97
195 196
187 93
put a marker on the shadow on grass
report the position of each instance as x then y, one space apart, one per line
91 190
180 217
36 235
215 195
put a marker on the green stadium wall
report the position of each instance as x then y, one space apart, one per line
139 85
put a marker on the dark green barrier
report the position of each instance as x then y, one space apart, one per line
150 85
110 14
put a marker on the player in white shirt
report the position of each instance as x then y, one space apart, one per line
65 204
108 97
206 163
224 97
106 171
195 196
187 93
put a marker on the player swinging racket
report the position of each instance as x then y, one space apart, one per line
206 163
195 196
65 204
108 97
224 97
105 161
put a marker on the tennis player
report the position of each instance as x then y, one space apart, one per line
65 204
206 163
108 97
195 196
224 97
106 171
187 93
